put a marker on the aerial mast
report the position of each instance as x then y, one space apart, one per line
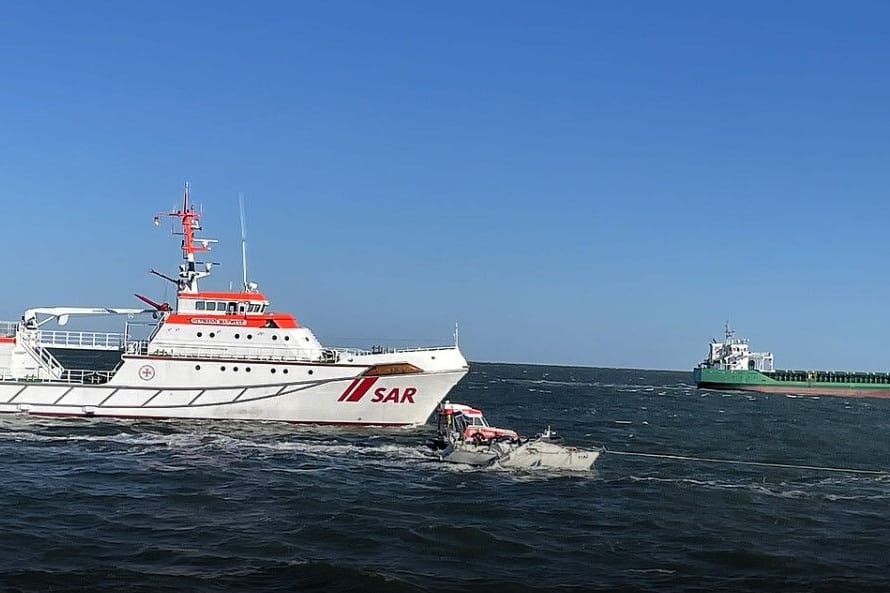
189 219
243 244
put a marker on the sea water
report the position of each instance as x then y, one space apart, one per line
119 505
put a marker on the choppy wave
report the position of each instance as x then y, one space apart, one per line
106 505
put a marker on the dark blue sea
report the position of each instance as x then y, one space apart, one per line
120 506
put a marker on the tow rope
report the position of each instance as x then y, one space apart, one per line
845 470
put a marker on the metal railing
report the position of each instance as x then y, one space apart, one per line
45 358
329 355
74 376
86 376
77 339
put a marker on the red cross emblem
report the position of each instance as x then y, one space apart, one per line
147 372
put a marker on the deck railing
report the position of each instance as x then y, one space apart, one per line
78 339
329 355
74 376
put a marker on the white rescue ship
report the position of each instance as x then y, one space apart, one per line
218 355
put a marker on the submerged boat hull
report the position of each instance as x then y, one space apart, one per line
828 383
542 454
530 455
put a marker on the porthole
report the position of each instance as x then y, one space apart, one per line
247 369
222 368
212 335
197 367
286 338
200 334
274 337
311 371
273 371
307 338
284 371
235 369
249 337
237 336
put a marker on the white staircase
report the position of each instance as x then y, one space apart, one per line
44 357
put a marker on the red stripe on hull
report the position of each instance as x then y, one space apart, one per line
362 389
348 389
827 391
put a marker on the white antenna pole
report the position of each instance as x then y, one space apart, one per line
243 241
456 335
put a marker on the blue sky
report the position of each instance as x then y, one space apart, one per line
575 183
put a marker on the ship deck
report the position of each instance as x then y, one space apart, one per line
799 376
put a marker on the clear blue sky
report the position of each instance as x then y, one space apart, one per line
596 183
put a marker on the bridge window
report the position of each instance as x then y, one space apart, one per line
211 305
199 305
220 306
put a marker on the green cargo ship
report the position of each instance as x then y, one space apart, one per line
731 366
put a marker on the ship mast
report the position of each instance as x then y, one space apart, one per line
727 332
243 244
189 219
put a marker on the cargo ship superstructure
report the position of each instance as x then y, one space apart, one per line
731 365
217 355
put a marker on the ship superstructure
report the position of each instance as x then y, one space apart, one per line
733 354
216 354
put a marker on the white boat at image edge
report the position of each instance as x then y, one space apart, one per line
218 355
466 437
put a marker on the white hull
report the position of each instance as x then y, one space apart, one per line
539 454
311 393
544 455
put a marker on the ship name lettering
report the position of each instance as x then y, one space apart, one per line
382 396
